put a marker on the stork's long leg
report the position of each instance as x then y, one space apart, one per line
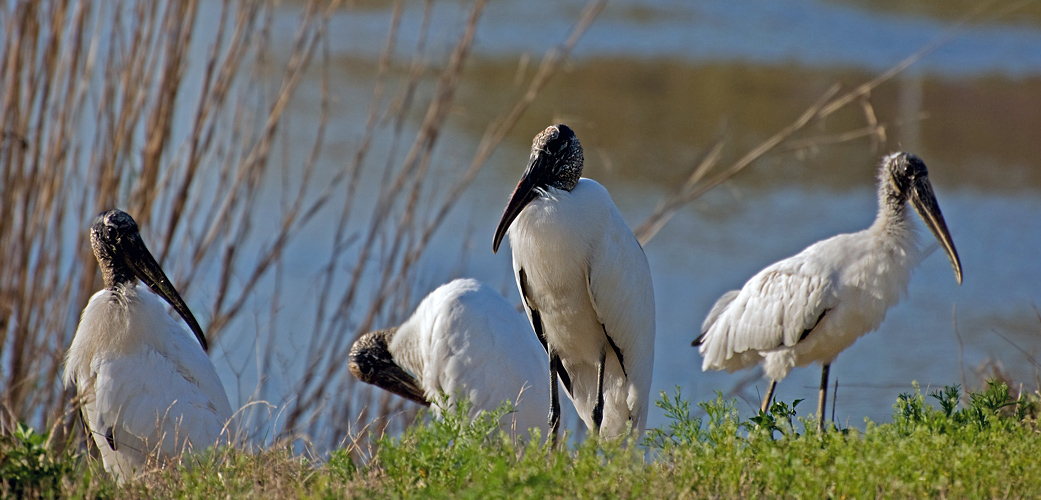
769 396
598 410
822 402
554 397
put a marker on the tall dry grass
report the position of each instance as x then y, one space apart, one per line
95 110
181 122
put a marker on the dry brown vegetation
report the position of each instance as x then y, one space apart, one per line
99 110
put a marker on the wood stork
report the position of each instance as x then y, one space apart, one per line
586 286
147 391
463 341
812 306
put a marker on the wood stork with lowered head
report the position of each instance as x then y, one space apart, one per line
812 306
586 287
463 341
147 391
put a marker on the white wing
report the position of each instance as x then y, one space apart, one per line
151 401
481 348
717 309
141 397
622 295
776 308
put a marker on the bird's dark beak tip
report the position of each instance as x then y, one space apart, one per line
928 209
148 271
524 193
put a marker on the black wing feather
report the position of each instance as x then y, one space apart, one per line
536 323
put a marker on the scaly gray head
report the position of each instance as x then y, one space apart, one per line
555 161
371 362
123 258
903 178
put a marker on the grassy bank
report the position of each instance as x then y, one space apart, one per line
985 447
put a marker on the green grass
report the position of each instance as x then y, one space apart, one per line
988 447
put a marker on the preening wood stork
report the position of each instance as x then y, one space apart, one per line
812 306
147 391
586 286
463 341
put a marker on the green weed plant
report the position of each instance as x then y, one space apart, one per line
941 444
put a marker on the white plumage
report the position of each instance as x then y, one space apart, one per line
812 306
464 340
586 284
766 320
146 389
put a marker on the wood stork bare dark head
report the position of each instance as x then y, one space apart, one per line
904 178
124 258
555 161
371 362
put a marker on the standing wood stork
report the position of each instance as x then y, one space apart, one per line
586 287
812 306
463 341
147 391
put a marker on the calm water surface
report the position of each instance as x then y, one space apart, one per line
653 83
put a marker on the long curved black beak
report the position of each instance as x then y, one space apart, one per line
535 176
924 202
144 266
372 363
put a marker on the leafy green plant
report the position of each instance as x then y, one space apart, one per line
946 448
433 455
990 402
910 409
992 406
948 398
779 418
682 429
28 466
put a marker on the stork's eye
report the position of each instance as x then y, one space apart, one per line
555 144
912 169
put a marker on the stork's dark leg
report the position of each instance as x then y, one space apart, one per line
554 397
769 396
823 396
598 410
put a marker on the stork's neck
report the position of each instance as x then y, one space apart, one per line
569 172
116 275
405 346
894 218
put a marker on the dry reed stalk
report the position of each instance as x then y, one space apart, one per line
92 93
828 104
